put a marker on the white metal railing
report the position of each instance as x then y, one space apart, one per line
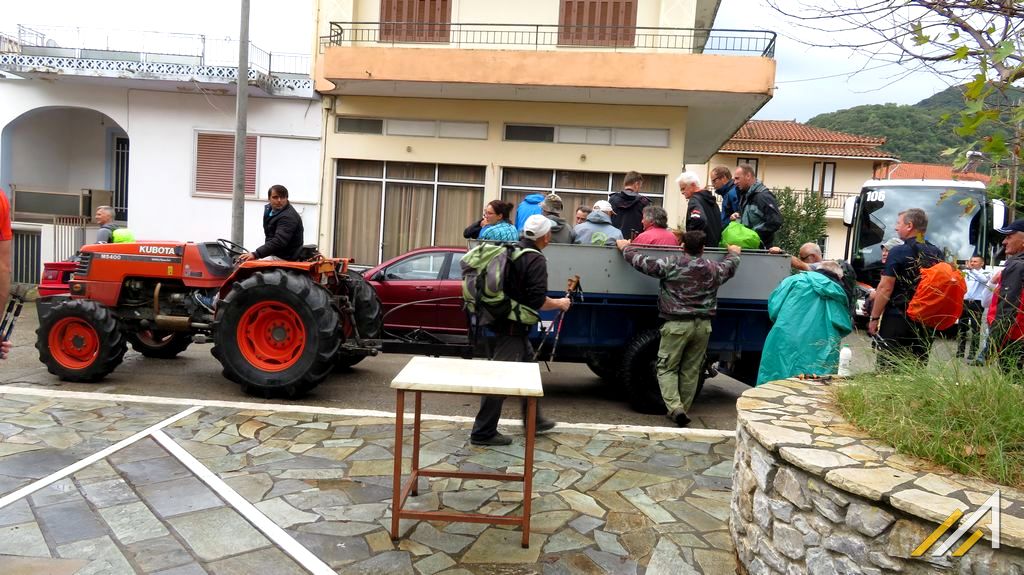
149 46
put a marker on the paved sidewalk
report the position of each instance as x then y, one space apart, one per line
247 488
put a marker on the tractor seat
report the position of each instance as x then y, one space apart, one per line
307 252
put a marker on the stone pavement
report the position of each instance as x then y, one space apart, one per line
607 499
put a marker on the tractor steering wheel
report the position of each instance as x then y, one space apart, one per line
234 249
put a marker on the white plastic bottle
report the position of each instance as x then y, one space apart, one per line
845 361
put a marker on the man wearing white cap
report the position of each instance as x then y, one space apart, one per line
598 229
527 284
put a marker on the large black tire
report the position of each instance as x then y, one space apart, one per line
276 334
80 340
639 374
746 367
604 366
369 317
159 344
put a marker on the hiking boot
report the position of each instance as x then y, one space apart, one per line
680 418
544 425
496 439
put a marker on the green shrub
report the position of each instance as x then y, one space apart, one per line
970 419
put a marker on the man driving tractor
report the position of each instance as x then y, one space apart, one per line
282 227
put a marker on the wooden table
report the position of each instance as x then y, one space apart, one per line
462 376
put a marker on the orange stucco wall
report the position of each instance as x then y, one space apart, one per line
593 69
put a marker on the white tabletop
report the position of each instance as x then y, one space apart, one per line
473 376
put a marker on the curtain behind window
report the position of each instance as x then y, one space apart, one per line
408 217
357 221
456 208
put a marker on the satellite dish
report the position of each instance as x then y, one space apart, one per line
51 44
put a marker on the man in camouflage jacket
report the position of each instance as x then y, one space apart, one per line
687 301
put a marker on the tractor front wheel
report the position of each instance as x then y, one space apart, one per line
159 344
79 340
276 334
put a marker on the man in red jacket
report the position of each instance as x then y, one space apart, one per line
1007 330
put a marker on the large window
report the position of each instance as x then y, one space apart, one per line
415 20
597 22
575 188
384 209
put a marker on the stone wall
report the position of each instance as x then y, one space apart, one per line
812 494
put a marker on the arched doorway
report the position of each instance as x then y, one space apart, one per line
57 165
64 161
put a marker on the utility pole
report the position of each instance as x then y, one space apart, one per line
241 107
1015 157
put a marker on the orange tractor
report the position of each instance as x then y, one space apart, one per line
278 328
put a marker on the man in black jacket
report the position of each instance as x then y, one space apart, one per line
282 227
628 206
759 210
526 284
702 212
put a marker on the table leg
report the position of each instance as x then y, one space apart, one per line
416 442
396 498
531 429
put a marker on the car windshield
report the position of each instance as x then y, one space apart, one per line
954 219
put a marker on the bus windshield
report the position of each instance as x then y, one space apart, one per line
954 220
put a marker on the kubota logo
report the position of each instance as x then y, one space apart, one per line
158 250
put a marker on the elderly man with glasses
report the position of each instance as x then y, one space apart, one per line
809 259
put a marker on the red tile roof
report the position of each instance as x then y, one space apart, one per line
794 138
790 131
934 172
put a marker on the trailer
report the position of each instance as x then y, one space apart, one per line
613 323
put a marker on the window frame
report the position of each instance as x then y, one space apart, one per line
571 192
819 174
251 164
752 161
384 180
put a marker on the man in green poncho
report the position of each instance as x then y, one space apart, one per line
811 316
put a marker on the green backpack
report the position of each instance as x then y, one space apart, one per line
484 270
737 234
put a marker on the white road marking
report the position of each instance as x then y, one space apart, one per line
103 454
278 536
296 408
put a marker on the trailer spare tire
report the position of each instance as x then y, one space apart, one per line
80 340
276 334
639 373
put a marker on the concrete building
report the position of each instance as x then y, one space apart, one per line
808 160
433 107
93 119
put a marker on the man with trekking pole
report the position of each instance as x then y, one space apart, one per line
524 290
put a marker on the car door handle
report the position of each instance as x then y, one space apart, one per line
424 288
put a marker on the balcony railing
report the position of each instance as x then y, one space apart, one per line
548 36
152 47
835 201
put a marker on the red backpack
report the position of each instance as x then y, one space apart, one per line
939 298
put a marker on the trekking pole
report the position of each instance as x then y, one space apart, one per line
571 285
558 333
14 306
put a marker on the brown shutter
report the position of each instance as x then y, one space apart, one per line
597 22
215 164
415 20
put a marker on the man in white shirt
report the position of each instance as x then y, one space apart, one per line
969 331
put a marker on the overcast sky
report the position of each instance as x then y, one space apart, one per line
802 88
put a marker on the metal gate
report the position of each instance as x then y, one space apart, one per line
68 236
27 253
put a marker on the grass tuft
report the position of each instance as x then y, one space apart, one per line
969 419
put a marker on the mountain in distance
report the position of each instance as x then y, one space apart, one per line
913 132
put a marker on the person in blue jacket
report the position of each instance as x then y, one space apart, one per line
526 208
721 179
811 316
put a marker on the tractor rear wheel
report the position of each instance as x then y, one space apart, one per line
367 317
276 334
639 373
159 344
80 340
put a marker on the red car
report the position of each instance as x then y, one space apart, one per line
423 274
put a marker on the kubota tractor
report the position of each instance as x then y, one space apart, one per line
278 328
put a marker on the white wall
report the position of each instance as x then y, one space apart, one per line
161 127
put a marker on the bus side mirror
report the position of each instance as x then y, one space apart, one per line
998 215
849 209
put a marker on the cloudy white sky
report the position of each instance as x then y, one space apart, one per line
809 81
